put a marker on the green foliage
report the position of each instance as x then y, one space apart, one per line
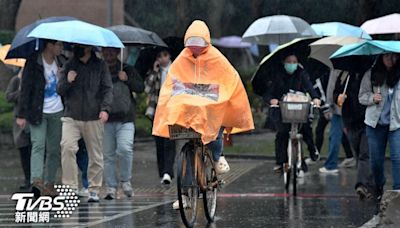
142 126
4 105
6 36
6 122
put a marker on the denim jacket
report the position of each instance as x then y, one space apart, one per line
374 111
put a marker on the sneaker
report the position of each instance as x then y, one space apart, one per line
348 163
166 179
300 174
328 171
221 166
278 168
175 205
314 155
309 161
93 197
363 193
84 192
111 193
127 187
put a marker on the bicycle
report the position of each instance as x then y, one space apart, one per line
195 176
295 113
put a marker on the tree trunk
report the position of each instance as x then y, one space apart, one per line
215 17
182 17
8 14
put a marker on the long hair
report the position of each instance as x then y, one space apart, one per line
380 75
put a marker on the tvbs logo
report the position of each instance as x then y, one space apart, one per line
29 210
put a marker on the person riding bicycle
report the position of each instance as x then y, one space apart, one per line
204 92
292 77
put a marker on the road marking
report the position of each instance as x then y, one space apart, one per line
284 195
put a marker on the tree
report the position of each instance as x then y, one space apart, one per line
8 14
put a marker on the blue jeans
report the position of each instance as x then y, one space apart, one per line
82 160
217 146
377 140
335 139
118 144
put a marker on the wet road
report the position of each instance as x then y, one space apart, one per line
252 197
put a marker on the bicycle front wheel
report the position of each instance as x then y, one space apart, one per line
210 193
188 190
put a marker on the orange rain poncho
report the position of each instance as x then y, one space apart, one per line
202 93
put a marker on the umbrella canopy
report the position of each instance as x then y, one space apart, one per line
134 36
14 62
323 48
339 29
388 24
360 56
269 65
278 29
77 32
23 46
230 42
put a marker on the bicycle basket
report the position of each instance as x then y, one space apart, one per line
179 132
295 112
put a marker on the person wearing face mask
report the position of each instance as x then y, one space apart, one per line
204 92
380 92
87 90
291 77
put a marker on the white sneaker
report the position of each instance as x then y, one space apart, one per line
300 174
93 197
221 166
111 193
127 187
328 171
84 192
166 179
348 163
175 205
309 161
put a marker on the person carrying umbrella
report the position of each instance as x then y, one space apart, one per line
291 76
86 88
41 106
380 92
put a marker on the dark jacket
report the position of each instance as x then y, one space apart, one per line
353 113
31 102
90 93
135 84
298 81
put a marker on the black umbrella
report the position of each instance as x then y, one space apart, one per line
354 63
133 36
23 46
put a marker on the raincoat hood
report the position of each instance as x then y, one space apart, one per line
203 93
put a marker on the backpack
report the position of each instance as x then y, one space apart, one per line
122 99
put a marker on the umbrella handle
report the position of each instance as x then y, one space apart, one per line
122 59
347 83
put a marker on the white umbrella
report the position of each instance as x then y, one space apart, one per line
389 24
323 48
278 29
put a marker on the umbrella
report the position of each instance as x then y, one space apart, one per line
77 32
339 29
23 46
359 57
267 68
230 42
277 29
323 48
137 36
14 62
388 24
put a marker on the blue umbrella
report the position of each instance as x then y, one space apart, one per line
23 46
339 29
360 56
77 32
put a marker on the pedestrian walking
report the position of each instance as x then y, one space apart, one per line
165 148
380 92
21 136
119 131
86 88
41 106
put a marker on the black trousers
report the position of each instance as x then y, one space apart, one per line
320 133
165 155
282 140
359 141
25 157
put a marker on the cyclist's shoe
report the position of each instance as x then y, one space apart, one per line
314 155
328 171
222 166
175 205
